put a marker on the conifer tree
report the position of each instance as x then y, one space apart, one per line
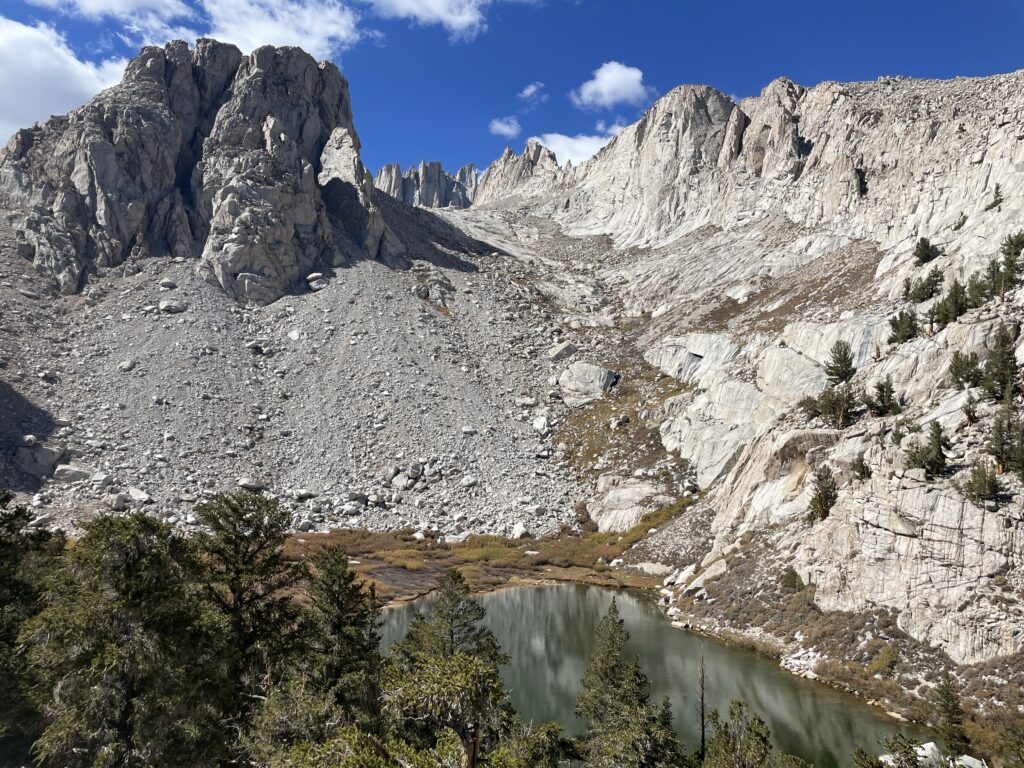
930 456
1006 440
1001 372
924 251
454 625
840 368
345 639
949 718
624 729
983 484
445 674
125 647
884 401
964 370
249 582
903 327
26 558
825 494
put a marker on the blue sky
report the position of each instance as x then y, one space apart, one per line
458 80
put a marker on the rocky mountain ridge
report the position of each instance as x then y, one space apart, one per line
603 338
429 185
250 163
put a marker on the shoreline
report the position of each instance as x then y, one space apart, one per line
753 643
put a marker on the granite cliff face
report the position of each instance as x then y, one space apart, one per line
749 238
249 163
429 185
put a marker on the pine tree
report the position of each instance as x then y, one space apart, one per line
997 199
26 557
125 649
742 741
982 485
930 456
964 370
1001 371
445 674
949 717
840 368
920 290
346 635
924 251
624 728
1006 440
953 305
825 494
607 670
884 401
454 625
250 583
904 327
837 405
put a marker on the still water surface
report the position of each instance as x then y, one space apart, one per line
548 632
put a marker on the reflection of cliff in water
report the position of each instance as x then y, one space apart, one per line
548 631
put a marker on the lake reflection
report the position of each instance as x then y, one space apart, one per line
548 632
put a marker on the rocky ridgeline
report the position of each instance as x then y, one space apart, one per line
203 289
428 185
250 163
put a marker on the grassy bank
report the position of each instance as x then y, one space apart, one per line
403 566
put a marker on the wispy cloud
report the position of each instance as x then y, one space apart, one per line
532 96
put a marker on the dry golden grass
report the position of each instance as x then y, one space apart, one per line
402 567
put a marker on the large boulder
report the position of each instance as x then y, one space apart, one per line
584 382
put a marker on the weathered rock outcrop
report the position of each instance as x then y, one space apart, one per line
533 174
201 153
429 185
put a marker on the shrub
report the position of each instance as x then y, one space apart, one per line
791 581
924 251
922 290
884 401
964 370
960 222
861 470
982 485
884 662
997 199
904 327
930 455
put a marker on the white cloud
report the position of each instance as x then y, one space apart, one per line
321 27
576 149
613 83
505 126
41 76
533 93
462 18
146 21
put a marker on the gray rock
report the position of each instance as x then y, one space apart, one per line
172 306
70 473
584 382
561 351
